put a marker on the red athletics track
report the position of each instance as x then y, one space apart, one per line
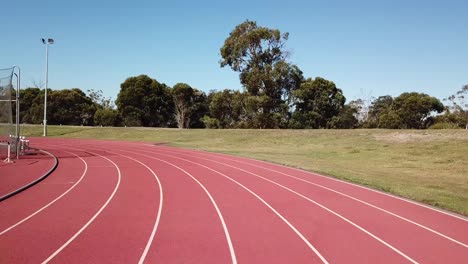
24 172
121 202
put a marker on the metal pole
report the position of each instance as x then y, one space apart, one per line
18 82
45 93
8 159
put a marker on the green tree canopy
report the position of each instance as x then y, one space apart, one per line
31 107
408 110
143 101
97 96
200 108
106 117
346 118
250 47
378 107
69 107
415 108
316 103
190 106
390 119
257 53
66 107
458 112
226 109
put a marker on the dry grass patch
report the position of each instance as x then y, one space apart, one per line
425 165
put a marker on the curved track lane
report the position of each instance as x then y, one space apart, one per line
48 192
414 237
174 248
33 201
260 234
122 202
120 230
38 237
26 172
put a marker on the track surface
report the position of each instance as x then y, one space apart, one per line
121 202
24 172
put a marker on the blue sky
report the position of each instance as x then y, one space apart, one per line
368 48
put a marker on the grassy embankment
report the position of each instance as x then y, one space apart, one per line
430 166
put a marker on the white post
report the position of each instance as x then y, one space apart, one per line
18 83
45 92
8 159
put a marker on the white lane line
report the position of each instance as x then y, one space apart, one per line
206 153
254 194
92 218
321 206
52 202
226 232
353 198
158 216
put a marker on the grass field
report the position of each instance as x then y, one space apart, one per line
430 166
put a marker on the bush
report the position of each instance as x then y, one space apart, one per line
106 117
390 120
211 122
445 125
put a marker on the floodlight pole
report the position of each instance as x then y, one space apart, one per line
49 41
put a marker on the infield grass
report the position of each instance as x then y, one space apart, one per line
430 166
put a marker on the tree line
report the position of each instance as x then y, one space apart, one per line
276 94
317 103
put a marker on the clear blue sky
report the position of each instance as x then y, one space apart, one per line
368 48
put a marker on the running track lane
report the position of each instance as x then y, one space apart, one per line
24 204
307 219
282 239
191 220
188 217
419 246
256 229
444 223
258 235
120 231
38 237
240 208
404 234
400 234
25 172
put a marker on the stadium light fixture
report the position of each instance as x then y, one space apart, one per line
47 43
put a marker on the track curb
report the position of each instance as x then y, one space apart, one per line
6 196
